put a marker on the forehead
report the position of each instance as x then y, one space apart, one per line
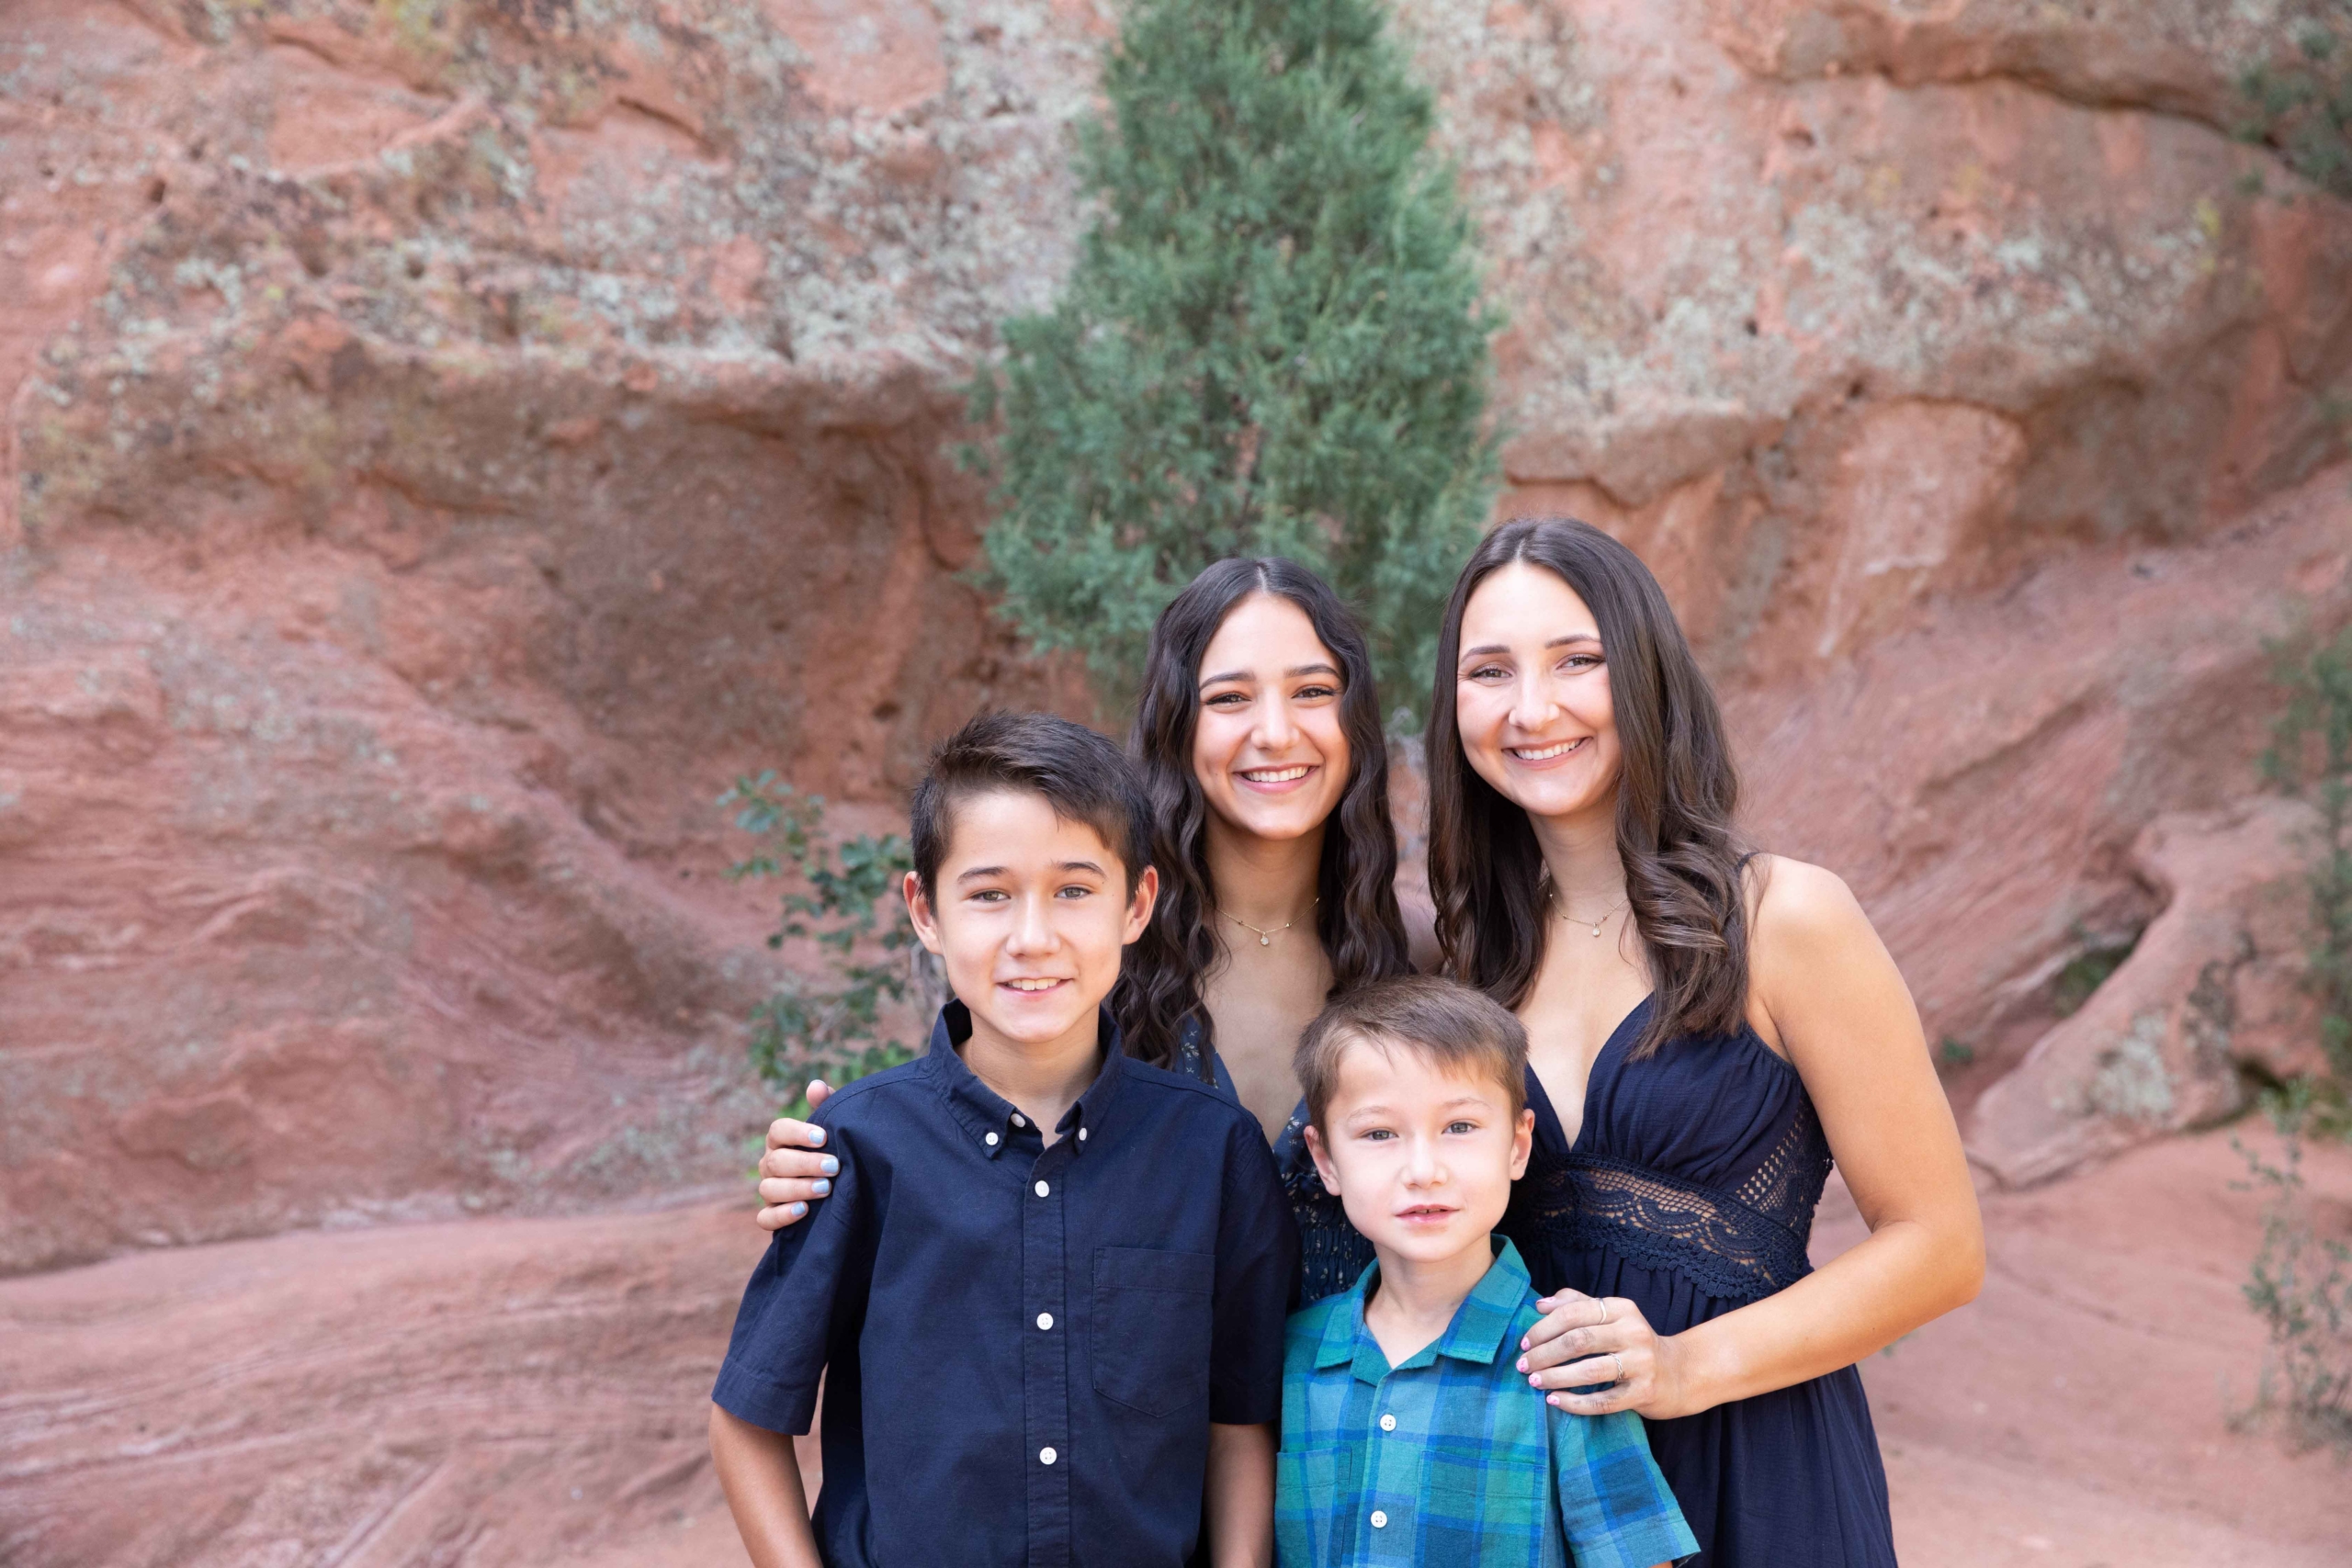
1264 632
1020 828
1524 602
1398 1073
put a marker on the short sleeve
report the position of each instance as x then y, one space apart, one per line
1257 1265
1615 1506
803 1300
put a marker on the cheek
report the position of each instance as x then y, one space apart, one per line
1214 740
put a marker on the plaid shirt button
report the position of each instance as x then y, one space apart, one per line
1389 1423
1379 1520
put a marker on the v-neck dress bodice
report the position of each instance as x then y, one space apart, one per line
1688 1189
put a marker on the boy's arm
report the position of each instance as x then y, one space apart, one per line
1241 1496
760 1476
1257 1275
1615 1506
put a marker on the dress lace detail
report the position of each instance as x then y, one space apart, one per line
1741 1244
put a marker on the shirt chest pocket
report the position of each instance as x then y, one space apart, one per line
1150 1335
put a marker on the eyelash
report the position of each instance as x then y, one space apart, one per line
1236 699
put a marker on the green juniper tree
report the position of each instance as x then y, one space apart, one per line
1272 342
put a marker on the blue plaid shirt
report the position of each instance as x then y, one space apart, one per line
1452 1459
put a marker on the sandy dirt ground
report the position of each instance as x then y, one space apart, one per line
530 1392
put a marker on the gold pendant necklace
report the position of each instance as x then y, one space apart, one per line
1580 920
1266 934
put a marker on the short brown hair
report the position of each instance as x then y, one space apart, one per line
1445 1021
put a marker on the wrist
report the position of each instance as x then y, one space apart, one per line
1697 1371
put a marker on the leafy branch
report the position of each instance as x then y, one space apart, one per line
850 908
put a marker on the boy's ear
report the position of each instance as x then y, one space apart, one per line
918 910
1326 1170
1139 905
1523 1144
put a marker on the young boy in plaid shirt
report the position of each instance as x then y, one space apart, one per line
1407 1435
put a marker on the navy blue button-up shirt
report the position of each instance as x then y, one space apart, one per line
1024 1345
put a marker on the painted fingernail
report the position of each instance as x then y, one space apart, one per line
821 1187
1522 1363
829 1165
816 1136
1553 1401
796 1209
1536 1381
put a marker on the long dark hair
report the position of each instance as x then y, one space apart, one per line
1677 792
1158 993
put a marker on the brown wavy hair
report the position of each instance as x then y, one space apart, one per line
1158 993
1677 793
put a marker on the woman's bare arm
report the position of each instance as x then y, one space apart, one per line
1832 999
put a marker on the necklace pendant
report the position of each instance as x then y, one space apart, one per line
1596 934
1265 940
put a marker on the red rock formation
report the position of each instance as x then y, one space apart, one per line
445 442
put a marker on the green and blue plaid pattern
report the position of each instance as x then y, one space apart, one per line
1451 1458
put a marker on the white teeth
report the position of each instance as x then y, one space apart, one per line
1032 985
1545 753
1275 775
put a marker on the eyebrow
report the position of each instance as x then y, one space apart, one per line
1317 669
1563 641
1378 1109
988 871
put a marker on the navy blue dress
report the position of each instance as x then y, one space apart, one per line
1690 1191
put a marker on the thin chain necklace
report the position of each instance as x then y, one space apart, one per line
1580 919
1266 934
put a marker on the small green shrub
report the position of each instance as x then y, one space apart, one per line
2300 103
834 1031
2310 754
1953 1055
2299 1284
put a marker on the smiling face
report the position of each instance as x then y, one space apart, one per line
1421 1156
1268 748
1532 696
1031 916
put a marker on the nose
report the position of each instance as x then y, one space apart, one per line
1032 931
1532 705
1275 729
1422 1168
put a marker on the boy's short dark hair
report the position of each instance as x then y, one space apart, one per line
1441 1021
1084 777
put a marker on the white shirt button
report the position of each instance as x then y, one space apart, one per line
1047 1456
1389 1423
1379 1520
992 1140
1043 1190
1044 1320
1081 1134
1017 1121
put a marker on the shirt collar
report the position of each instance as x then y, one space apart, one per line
1476 1335
982 1111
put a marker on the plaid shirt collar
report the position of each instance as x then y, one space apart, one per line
1474 1336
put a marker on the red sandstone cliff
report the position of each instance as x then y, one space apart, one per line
445 439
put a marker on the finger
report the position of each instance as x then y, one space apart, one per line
1569 1310
1594 1339
1588 1372
1601 1402
819 1091
805 1164
784 1133
774 1191
775 1219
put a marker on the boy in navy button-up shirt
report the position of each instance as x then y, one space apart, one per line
1048 1292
